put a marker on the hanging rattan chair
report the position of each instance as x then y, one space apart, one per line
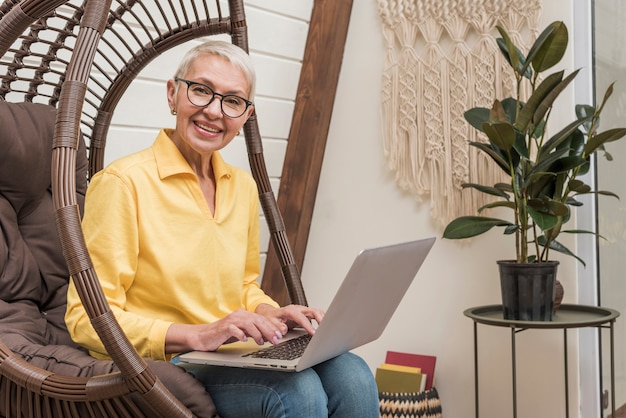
68 63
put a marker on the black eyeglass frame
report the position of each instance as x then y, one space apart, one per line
189 83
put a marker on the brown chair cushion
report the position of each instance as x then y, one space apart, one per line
33 273
32 268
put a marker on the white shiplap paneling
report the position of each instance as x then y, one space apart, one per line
276 35
297 9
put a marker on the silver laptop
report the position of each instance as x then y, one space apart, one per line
358 314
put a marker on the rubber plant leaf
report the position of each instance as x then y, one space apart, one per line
578 186
486 189
498 204
548 101
470 226
511 52
549 48
500 134
602 138
584 111
495 155
557 246
541 92
477 116
561 136
543 220
607 94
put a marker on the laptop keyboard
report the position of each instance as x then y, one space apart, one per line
287 350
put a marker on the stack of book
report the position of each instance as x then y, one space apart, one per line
406 373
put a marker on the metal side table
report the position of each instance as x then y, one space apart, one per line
567 316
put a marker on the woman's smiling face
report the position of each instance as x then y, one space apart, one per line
202 130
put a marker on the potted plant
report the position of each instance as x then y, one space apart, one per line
543 169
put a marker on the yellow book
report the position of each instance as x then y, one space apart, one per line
395 381
400 368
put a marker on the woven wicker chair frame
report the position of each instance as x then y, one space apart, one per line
80 56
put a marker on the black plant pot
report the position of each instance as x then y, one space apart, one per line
528 290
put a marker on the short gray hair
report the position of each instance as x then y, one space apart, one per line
234 54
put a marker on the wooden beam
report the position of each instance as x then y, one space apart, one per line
315 98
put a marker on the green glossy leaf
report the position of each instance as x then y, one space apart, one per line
573 202
505 187
547 163
557 208
542 185
521 145
539 129
582 231
607 193
602 138
567 163
543 220
561 136
549 48
584 169
470 226
486 189
536 203
579 187
499 204
585 112
511 229
495 155
528 72
510 106
514 59
541 92
579 231
497 113
557 246
551 96
607 94
500 134
477 116
575 143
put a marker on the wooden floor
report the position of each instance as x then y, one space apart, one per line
619 412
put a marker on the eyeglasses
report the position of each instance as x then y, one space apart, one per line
202 95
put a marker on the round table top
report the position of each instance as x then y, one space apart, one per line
567 316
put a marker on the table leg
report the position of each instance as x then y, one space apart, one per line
476 368
514 371
612 368
566 374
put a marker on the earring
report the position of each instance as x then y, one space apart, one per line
173 112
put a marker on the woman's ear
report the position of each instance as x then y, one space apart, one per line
249 113
171 94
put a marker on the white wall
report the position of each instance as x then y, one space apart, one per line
359 205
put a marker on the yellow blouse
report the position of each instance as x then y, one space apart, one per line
159 253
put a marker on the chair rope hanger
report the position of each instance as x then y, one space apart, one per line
80 57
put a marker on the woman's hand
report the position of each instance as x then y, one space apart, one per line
266 324
291 316
238 326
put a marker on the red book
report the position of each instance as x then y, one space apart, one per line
424 362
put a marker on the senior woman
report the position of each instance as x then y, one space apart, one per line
173 232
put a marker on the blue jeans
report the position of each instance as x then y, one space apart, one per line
342 387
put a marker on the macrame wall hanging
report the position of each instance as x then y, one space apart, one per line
441 60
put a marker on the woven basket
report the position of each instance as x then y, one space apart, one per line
410 405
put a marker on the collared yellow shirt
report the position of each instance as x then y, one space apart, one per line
159 253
